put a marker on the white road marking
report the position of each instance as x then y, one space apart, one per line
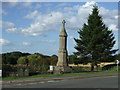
51 81
41 82
31 83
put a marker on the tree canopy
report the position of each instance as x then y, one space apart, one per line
12 57
95 40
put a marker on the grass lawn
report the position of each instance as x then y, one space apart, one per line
113 70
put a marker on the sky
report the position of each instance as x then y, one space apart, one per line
34 27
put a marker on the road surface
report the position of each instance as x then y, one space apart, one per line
94 82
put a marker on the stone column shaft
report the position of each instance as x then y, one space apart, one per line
62 53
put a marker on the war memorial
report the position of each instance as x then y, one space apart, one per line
62 64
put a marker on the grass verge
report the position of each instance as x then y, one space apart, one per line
112 70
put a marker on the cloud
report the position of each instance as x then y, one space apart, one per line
84 10
4 42
32 15
11 30
34 30
26 4
116 45
75 17
113 27
89 4
71 37
42 23
116 17
3 12
6 24
76 22
111 19
26 43
10 4
48 41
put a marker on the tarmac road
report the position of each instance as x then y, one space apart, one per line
94 82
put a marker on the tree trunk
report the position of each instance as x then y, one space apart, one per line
92 67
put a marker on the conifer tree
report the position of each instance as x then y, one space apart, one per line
95 40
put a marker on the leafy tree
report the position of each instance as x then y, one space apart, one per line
12 57
72 59
53 59
95 40
22 60
83 60
37 62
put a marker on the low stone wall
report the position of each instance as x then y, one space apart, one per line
15 70
23 72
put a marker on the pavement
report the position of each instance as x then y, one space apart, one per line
56 78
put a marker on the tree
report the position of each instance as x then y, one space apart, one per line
53 60
118 57
72 59
95 40
12 57
37 62
22 60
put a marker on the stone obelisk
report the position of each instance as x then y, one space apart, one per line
62 53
